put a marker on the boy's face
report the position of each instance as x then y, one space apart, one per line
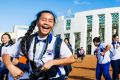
45 24
96 43
116 39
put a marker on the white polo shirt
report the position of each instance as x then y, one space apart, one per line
2 49
49 55
5 47
116 51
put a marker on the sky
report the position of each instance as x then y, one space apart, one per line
22 12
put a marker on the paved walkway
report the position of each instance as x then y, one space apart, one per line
84 70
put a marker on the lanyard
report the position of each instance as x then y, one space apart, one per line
43 52
32 62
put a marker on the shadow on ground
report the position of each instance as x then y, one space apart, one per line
85 68
79 78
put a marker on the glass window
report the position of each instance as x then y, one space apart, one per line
77 40
102 26
89 33
68 24
67 35
115 23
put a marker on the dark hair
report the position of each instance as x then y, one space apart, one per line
96 39
67 40
10 41
81 47
115 35
45 11
32 27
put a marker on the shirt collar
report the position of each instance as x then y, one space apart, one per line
38 39
115 42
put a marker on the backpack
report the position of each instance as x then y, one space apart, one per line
57 45
57 50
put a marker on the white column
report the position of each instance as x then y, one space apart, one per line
95 27
83 37
95 30
119 27
108 28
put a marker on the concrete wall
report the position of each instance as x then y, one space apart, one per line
79 24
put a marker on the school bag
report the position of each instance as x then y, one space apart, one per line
57 49
57 45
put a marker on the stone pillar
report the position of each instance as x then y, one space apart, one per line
108 28
95 30
83 34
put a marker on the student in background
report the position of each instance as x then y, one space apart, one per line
66 40
115 62
68 68
6 42
103 59
82 53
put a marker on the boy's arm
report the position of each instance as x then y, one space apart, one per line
106 49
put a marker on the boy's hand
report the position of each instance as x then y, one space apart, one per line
102 53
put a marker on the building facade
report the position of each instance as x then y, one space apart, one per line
84 26
18 31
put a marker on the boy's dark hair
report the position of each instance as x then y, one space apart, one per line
115 35
96 39
31 28
81 47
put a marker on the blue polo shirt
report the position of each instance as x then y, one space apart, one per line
102 59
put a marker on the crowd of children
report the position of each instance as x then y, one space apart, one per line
46 51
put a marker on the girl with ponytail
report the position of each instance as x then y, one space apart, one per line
41 50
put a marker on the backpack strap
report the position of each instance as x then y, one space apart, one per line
57 47
57 51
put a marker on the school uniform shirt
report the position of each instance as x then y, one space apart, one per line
4 48
1 51
49 54
115 50
102 59
11 49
